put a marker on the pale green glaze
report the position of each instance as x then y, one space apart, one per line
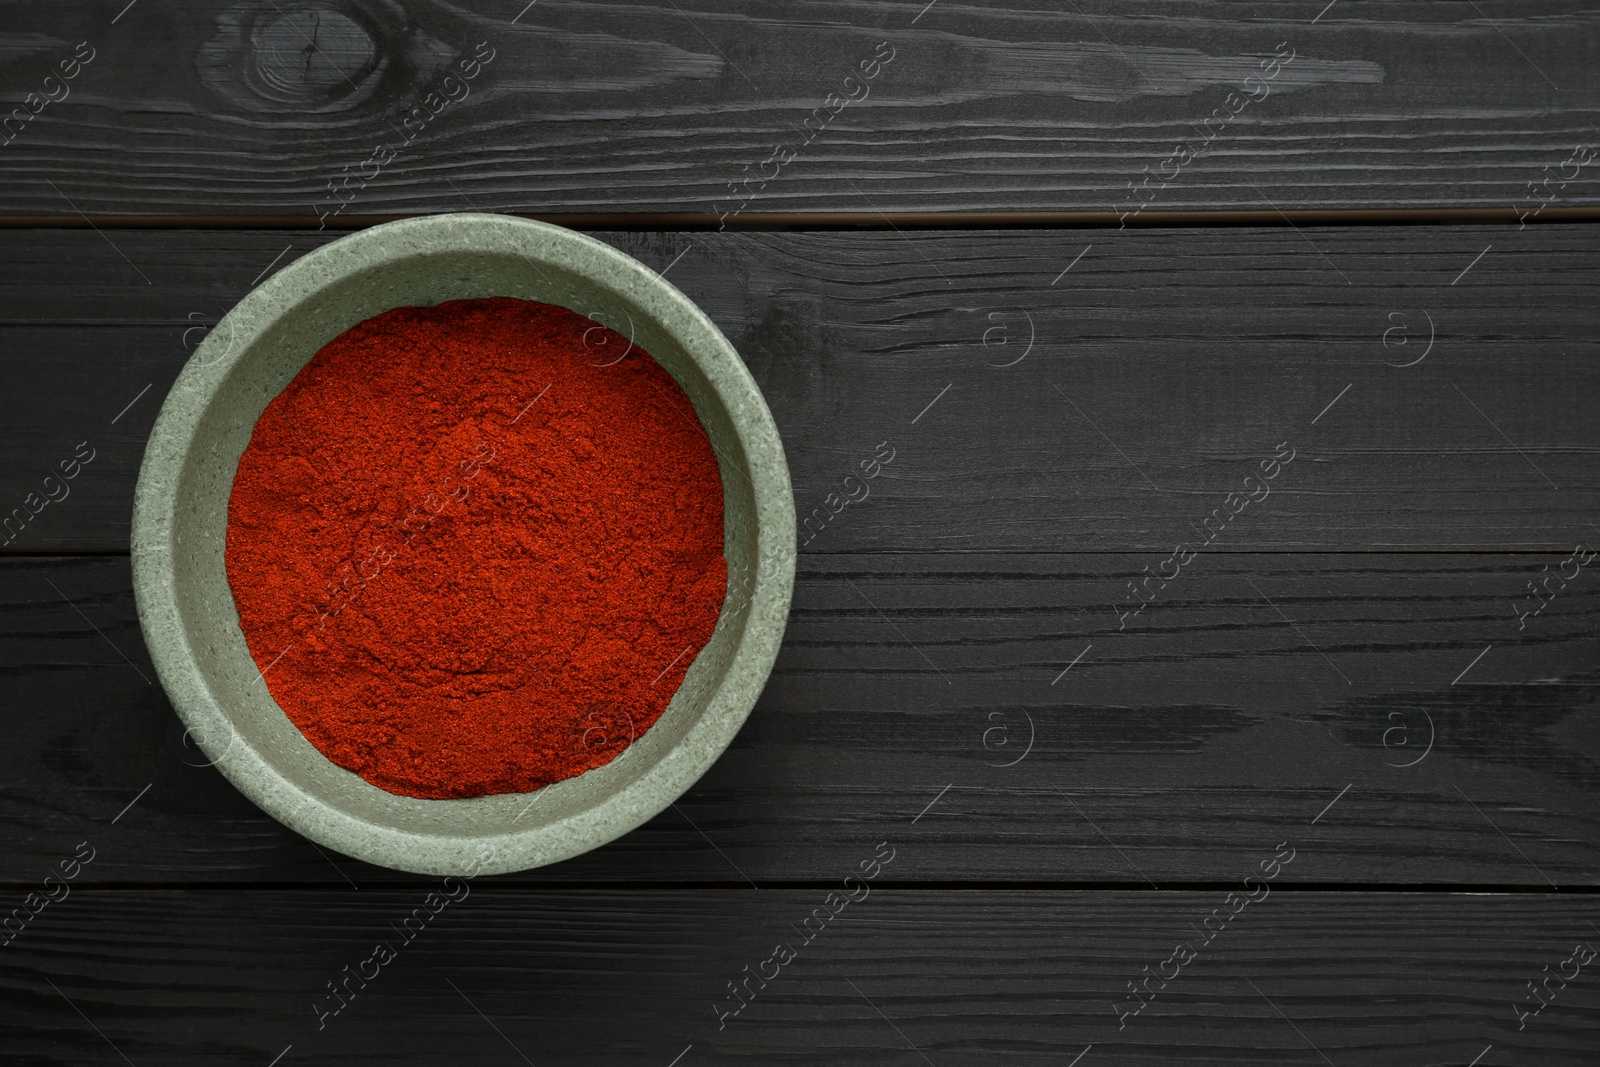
180 520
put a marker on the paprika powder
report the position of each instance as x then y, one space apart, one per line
472 551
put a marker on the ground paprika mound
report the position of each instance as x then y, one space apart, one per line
473 551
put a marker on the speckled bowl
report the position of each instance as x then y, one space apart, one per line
186 608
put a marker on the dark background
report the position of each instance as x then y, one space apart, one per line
1353 269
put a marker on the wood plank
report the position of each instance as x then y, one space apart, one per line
1164 367
1391 696
899 977
252 108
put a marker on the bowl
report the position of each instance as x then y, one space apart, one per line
186 607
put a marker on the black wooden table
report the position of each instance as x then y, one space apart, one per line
1211 678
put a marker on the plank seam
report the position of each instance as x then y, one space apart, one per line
645 221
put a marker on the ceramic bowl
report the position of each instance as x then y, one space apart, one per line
186 608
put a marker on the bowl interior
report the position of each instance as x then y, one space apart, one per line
281 339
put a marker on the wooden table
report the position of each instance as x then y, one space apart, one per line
1318 788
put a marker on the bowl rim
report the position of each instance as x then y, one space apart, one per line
170 644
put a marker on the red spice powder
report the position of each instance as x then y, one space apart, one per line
471 557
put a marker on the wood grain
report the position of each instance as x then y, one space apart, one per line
1070 788
1391 697
596 976
251 107
1164 367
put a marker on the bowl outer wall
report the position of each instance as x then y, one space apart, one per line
169 639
